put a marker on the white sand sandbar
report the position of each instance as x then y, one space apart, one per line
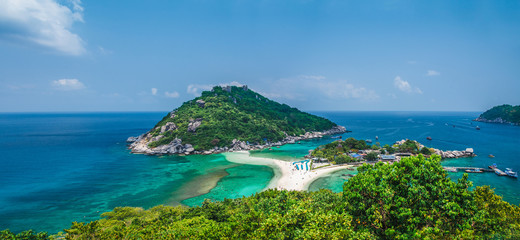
286 175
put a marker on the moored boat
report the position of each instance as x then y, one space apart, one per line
478 128
491 155
500 172
428 138
494 166
368 141
474 170
510 173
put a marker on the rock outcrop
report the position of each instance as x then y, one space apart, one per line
141 144
174 147
169 126
194 124
496 120
455 154
445 154
201 103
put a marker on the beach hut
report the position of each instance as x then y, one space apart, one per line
357 156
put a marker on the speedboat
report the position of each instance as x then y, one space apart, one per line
510 173
478 128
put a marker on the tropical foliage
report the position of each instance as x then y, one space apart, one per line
410 199
506 112
409 146
337 151
236 113
25 235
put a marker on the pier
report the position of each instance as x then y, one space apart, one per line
456 169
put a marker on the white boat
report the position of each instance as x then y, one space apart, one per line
510 173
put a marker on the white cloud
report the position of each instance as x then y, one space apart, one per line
234 83
405 86
313 77
154 91
44 22
340 89
171 94
196 89
432 73
304 86
67 84
104 51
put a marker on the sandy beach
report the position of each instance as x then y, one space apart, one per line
286 175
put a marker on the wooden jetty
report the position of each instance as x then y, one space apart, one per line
456 169
500 172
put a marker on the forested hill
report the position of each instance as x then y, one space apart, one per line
501 114
224 114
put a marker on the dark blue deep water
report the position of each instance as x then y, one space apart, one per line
59 168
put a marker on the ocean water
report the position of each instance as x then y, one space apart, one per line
449 131
59 168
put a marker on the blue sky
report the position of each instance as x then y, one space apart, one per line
315 55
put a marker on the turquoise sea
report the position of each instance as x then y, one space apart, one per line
59 168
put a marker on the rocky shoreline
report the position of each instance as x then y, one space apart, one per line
496 120
140 144
446 154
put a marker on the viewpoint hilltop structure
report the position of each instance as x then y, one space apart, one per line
230 118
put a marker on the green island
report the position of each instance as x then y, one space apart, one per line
352 150
410 199
501 114
230 118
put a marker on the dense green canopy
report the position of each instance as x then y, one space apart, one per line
236 113
337 151
506 112
410 199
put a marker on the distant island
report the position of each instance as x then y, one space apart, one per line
230 118
501 114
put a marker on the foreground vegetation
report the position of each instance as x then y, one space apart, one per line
410 199
506 112
236 113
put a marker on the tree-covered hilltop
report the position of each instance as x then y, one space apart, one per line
226 113
501 114
410 199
